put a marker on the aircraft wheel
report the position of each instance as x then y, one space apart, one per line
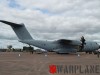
90 52
57 52
86 52
95 52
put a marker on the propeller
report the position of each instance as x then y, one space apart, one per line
81 46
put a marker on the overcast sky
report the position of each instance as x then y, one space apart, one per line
51 19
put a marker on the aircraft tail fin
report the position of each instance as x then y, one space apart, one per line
20 30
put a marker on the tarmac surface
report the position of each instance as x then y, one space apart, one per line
22 63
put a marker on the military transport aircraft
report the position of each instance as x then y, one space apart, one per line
59 46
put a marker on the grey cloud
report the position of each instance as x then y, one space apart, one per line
70 19
4 43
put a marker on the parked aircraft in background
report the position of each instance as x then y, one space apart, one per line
59 46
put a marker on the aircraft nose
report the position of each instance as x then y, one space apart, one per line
98 46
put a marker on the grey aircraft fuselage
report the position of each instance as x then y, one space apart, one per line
54 46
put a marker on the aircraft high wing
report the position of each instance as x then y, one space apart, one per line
59 46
